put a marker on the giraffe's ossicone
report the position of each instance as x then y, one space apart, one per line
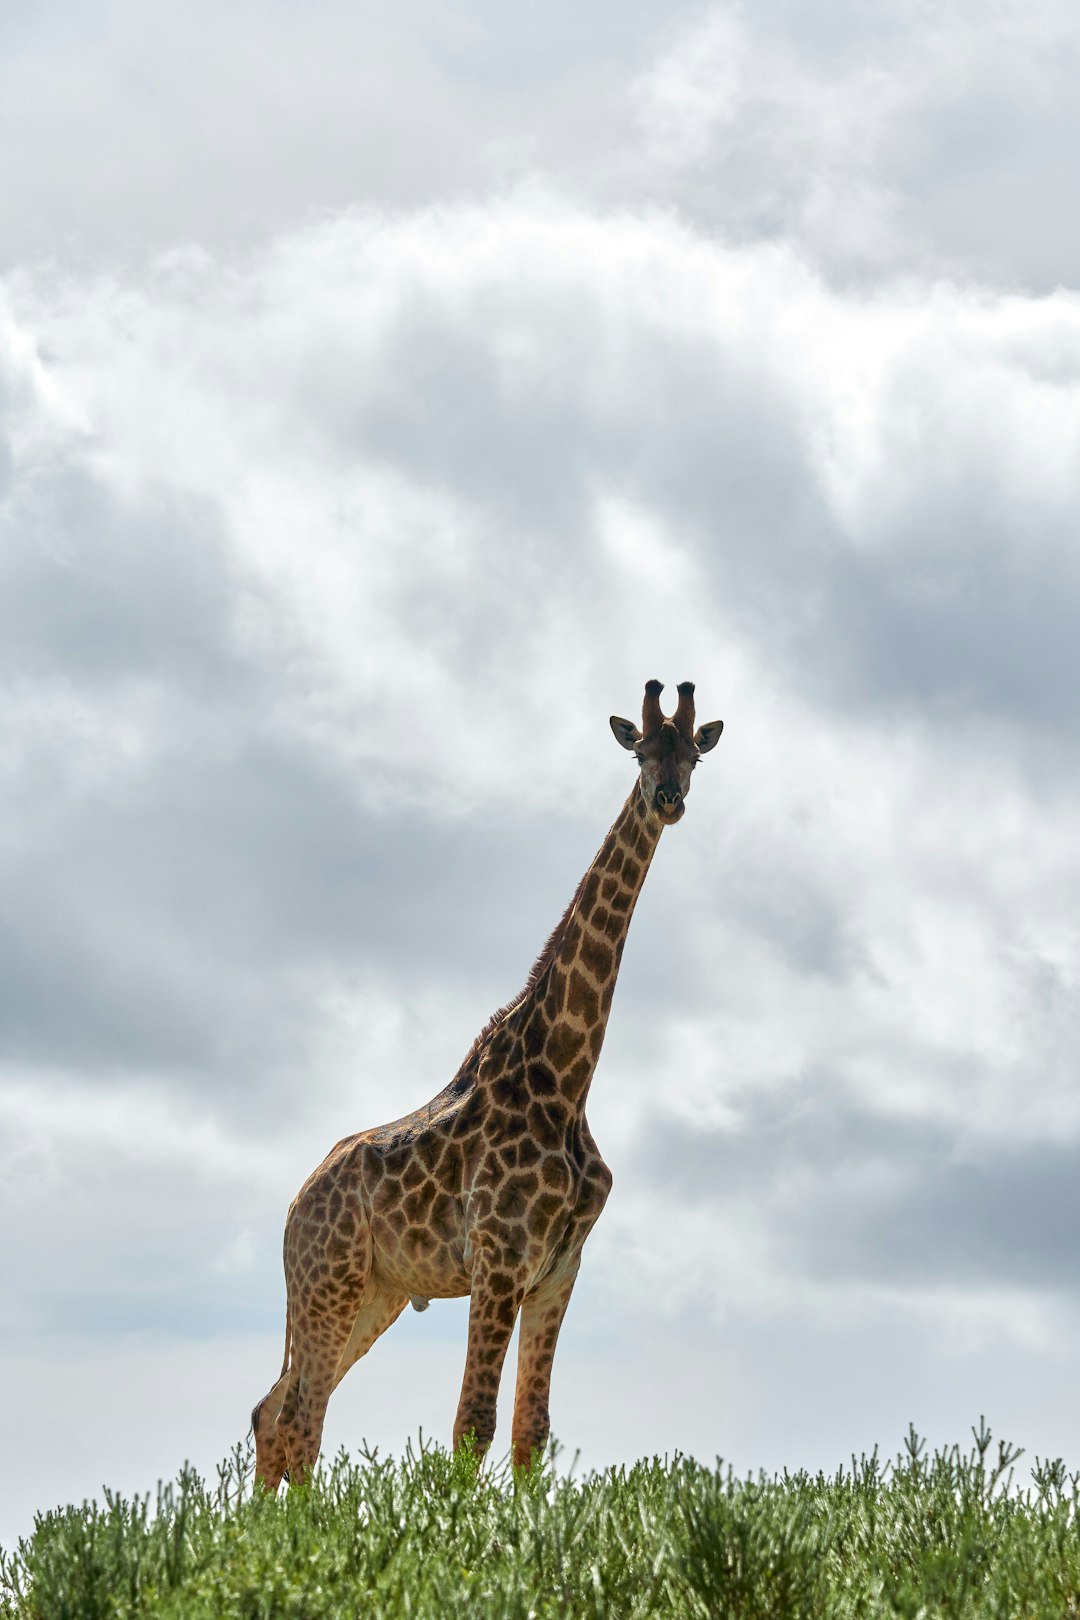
492 1187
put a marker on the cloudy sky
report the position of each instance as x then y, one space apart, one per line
385 394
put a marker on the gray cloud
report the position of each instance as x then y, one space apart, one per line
848 1196
187 927
134 138
928 608
1009 1219
279 828
101 595
956 621
874 136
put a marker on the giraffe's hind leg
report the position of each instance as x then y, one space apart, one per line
271 1461
317 1372
303 1412
327 1279
380 1310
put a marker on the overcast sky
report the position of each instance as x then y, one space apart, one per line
385 394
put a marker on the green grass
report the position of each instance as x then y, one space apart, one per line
946 1534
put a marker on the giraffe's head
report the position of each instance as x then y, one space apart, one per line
666 750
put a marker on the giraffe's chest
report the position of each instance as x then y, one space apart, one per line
501 1191
591 1189
537 1211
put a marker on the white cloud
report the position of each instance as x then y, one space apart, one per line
881 137
48 1126
318 421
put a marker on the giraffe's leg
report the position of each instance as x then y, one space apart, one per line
379 1311
321 1338
328 1284
271 1460
302 1393
542 1314
496 1299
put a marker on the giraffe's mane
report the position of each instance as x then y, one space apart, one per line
536 973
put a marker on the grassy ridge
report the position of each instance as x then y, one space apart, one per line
944 1534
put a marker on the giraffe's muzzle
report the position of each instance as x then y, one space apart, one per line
669 802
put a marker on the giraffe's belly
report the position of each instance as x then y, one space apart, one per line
420 1261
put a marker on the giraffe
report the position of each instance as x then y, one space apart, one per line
490 1189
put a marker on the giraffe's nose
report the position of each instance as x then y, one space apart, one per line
668 798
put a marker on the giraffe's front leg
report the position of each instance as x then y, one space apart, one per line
497 1292
541 1318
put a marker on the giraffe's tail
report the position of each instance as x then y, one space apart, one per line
288 1337
284 1369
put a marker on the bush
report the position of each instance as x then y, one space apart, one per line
435 1535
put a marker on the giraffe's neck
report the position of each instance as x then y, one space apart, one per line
571 997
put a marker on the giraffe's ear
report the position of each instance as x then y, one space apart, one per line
626 733
707 736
